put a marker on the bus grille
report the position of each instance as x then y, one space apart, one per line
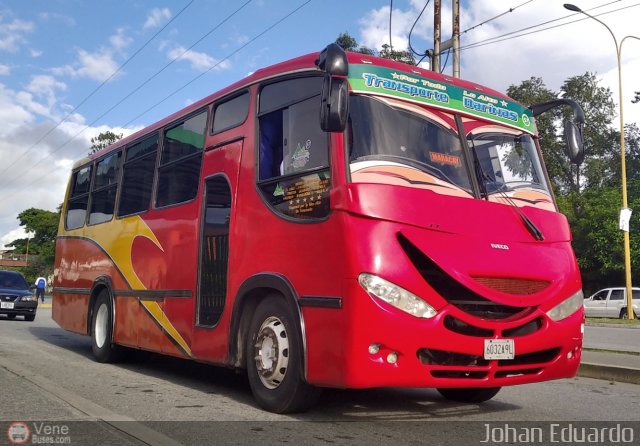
512 285
447 364
453 291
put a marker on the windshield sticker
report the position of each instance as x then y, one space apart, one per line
301 156
443 158
387 82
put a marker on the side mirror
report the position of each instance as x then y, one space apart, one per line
574 147
333 60
334 105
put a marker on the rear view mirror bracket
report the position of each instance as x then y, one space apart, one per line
574 148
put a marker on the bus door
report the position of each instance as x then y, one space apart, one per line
220 175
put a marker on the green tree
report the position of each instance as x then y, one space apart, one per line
404 56
349 43
601 167
103 140
43 227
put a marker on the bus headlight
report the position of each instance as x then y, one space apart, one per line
567 307
396 296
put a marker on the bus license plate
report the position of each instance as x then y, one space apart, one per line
499 349
7 305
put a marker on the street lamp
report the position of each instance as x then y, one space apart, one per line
625 213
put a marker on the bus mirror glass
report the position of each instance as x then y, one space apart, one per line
334 105
574 144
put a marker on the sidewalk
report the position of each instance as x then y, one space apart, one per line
612 366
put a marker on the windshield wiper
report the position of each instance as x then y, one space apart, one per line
483 177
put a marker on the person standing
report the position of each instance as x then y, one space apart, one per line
41 284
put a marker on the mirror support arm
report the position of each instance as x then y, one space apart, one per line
578 114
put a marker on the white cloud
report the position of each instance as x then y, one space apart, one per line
199 61
12 235
12 34
5 70
119 40
156 16
98 66
35 175
553 54
35 53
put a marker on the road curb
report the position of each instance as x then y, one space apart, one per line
610 373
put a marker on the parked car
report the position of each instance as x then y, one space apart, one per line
612 302
16 296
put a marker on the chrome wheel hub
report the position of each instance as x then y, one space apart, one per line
271 352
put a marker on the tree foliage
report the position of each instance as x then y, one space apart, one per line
590 195
42 227
103 140
349 43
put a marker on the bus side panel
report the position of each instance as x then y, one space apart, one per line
171 266
126 330
69 311
74 279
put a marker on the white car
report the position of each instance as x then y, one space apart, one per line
612 302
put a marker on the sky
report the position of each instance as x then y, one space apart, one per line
71 69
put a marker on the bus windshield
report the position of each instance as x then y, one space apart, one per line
398 143
508 161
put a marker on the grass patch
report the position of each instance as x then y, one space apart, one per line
605 320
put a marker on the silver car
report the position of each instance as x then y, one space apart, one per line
611 302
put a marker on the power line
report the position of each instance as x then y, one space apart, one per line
269 28
411 31
136 89
496 17
237 50
504 37
95 90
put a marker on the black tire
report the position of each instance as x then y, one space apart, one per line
274 359
28 317
12 316
469 394
104 350
625 315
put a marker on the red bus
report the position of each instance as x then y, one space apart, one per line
331 221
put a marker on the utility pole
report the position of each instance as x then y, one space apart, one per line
437 29
453 43
456 38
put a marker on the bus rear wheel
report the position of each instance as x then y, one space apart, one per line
104 350
469 394
274 359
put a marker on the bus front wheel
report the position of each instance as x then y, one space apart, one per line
469 394
104 350
274 359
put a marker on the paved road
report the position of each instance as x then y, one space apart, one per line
612 338
48 374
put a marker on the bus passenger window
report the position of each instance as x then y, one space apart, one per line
137 177
179 171
78 198
103 195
